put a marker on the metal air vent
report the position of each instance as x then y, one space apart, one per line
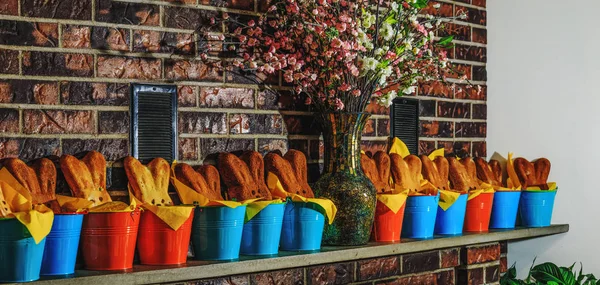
153 122
404 115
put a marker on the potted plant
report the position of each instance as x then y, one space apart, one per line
549 273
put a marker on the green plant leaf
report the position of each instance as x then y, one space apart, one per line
446 40
420 4
550 272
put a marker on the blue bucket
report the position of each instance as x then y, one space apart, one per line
504 209
302 227
262 233
61 245
419 216
20 257
217 232
535 208
451 221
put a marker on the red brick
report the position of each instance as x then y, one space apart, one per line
113 122
268 99
28 92
492 274
460 70
460 149
383 128
28 33
9 121
503 247
187 95
480 35
378 268
146 41
110 38
473 53
45 93
454 110
426 147
427 108
5 92
202 123
112 149
479 111
65 9
480 254
36 148
425 279
267 145
255 124
127 13
474 16
445 278
301 145
503 264
479 149
476 92
460 32
9 147
301 125
377 109
188 149
479 73
470 130
76 36
470 276
57 122
57 64
340 273
435 89
88 93
179 69
289 276
10 61
437 129
449 258
227 98
372 146
187 18
233 4
369 129
211 146
480 3
445 10
153 41
9 7
420 262
128 67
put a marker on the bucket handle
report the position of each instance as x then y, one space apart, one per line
132 214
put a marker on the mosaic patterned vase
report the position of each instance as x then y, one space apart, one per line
343 181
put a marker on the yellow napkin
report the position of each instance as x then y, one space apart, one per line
188 196
485 188
513 180
253 207
277 190
72 204
174 216
393 201
448 198
38 220
399 147
551 187
436 153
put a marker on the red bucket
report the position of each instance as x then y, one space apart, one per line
479 211
159 244
108 240
387 226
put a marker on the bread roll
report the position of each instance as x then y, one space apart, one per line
369 168
195 180
533 174
460 177
485 172
212 178
405 172
297 160
149 184
86 177
256 165
240 183
436 172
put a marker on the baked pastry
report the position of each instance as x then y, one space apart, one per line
436 171
4 207
371 170
406 171
486 174
533 174
199 181
496 169
256 165
39 180
461 179
150 184
86 177
236 175
298 161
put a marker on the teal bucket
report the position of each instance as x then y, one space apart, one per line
419 216
217 232
262 233
535 208
20 256
303 225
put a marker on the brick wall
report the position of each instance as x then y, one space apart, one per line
471 265
66 66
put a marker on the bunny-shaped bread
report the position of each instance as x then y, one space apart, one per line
86 177
490 173
150 184
533 174
39 180
242 184
377 169
204 179
462 174
291 170
436 171
406 171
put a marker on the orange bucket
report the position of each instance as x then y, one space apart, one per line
387 226
479 211
159 244
108 240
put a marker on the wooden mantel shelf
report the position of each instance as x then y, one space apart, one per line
195 270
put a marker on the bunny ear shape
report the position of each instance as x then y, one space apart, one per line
405 171
443 168
213 180
81 179
297 160
496 169
369 168
46 174
238 179
195 180
459 176
147 183
96 164
282 168
383 163
485 173
256 166
469 165
414 169
25 175
542 170
525 171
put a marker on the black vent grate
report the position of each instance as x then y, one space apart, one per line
405 122
154 122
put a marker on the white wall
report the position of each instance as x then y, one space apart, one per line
543 100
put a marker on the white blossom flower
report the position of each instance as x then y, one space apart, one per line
387 99
387 32
395 6
437 6
369 64
409 90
